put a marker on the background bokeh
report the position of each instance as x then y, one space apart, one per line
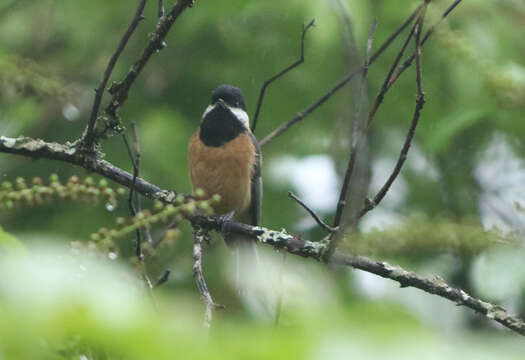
456 210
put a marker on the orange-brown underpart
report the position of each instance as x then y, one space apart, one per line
225 170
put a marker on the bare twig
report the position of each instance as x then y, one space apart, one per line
120 90
281 73
314 215
163 279
429 33
420 102
290 243
89 136
199 235
133 208
356 134
301 115
395 34
384 88
135 161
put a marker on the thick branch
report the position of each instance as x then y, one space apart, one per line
39 149
279 239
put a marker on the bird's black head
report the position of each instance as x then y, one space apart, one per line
231 95
225 118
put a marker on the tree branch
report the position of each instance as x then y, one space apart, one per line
301 115
199 235
120 90
312 213
281 73
420 102
280 239
429 33
89 136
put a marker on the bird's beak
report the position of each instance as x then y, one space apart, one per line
222 104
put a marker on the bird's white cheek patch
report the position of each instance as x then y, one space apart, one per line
242 116
208 109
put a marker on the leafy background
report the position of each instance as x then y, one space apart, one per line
455 211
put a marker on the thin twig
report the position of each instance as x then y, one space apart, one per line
163 279
356 134
134 208
384 87
199 235
314 215
395 34
301 115
89 137
281 73
420 102
121 89
131 205
429 33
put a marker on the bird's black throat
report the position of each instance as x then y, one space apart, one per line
219 126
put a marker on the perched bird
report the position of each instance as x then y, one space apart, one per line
224 157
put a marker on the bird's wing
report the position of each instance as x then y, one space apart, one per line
256 186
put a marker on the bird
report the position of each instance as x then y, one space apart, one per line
224 158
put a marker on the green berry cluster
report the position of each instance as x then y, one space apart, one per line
174 213
20 193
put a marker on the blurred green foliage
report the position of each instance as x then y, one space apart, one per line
52 56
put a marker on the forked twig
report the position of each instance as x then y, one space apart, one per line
281 73
89 137
314 215
121 89
301 115
429 33
420 102
385 87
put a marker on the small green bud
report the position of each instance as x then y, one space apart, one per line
95 237
158 205
89 181
199 193
190 207
37 181
6 185
102 183
53 178
122 191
